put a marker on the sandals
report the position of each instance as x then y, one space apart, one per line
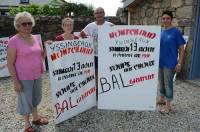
29 129
161 103
165 111
41 121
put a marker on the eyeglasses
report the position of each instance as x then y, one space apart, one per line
24 24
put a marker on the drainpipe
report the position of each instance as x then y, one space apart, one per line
129 18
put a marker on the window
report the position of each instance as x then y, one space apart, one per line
24 1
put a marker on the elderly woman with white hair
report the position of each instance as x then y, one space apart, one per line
25 63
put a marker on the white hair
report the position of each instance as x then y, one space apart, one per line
22 15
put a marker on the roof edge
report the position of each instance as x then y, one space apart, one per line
127 3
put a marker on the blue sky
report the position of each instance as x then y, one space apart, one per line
110 6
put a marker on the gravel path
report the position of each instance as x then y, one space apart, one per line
185 116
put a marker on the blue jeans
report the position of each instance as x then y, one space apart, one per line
165 76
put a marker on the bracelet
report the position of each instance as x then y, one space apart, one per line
179 64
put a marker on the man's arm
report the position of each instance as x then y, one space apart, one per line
83 34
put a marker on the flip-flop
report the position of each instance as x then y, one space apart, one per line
29 129
41 121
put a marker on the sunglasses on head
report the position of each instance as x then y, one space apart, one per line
24 24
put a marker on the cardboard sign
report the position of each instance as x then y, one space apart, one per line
128 67
71 70
3 61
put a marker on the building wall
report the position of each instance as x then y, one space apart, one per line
149 13
122 14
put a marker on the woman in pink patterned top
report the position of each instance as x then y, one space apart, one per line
25 63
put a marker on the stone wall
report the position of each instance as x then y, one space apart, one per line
48 27
149 12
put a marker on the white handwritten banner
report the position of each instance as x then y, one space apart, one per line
3 53
128 67
71 70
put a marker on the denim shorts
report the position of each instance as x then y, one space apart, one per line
29 97
165 76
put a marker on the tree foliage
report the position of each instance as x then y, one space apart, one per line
55 8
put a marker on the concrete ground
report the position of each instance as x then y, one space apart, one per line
185 116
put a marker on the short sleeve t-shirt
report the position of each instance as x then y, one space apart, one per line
171 40
91 30
29 62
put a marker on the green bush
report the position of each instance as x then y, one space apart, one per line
51 10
